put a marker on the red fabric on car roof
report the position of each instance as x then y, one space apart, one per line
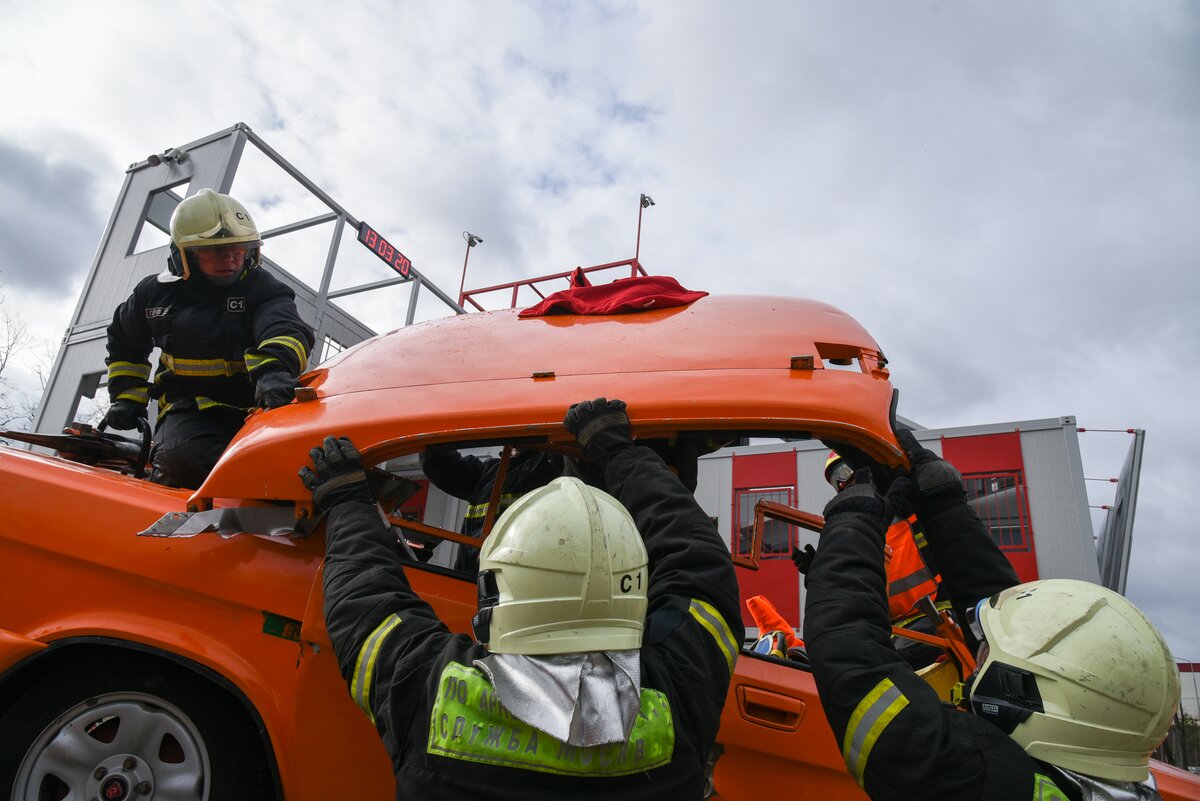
623 296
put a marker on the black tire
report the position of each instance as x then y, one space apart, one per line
127 722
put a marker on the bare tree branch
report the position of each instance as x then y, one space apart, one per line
18 407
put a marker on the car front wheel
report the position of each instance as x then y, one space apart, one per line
128 731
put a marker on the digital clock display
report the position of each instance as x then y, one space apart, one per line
384 250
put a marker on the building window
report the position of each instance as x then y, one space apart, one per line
778 536
999 500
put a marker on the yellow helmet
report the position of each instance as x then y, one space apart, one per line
210 219
1077 675
837 471
831 462
564 571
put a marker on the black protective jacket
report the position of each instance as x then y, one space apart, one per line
472 479
448 736
216 341
898 740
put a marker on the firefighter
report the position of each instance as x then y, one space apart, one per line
1074 686
604 635
230 335
472 479
909 576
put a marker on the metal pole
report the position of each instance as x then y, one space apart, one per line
323 293
463 283
643 203
637 247
412 301
1183 739
472 241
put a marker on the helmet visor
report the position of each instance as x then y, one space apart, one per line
976 626
220 263
840 475
973 620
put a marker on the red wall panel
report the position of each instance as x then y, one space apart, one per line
777 579
764 470
998 453
986 453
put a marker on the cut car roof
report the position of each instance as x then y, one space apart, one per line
721 362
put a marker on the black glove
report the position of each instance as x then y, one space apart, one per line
601 427
274 389
337 475
898 500
803 559
124 414
936 481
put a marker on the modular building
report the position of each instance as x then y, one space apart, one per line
1025 479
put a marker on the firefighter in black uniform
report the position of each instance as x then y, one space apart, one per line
601 665
472 479
1074 688
230 335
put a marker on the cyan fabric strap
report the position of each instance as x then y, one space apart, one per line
469 723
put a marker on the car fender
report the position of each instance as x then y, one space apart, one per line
14 648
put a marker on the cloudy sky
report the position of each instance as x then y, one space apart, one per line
1007 194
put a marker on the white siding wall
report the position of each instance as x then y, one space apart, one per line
1062 527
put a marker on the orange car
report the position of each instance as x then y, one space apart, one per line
191 661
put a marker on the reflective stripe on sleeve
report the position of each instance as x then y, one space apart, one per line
129 370
479 510
137 395
255 361
714 624
296 346
870 718
364 668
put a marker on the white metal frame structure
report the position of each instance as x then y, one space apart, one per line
148 198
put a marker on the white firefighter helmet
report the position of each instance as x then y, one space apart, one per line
564 571
1077 675
209 219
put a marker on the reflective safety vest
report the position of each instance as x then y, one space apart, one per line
468 722
909 580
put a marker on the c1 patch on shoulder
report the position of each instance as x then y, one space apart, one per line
157 311
235 304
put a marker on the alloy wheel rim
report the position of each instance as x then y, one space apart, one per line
121 746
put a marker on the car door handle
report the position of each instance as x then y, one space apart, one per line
773 710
